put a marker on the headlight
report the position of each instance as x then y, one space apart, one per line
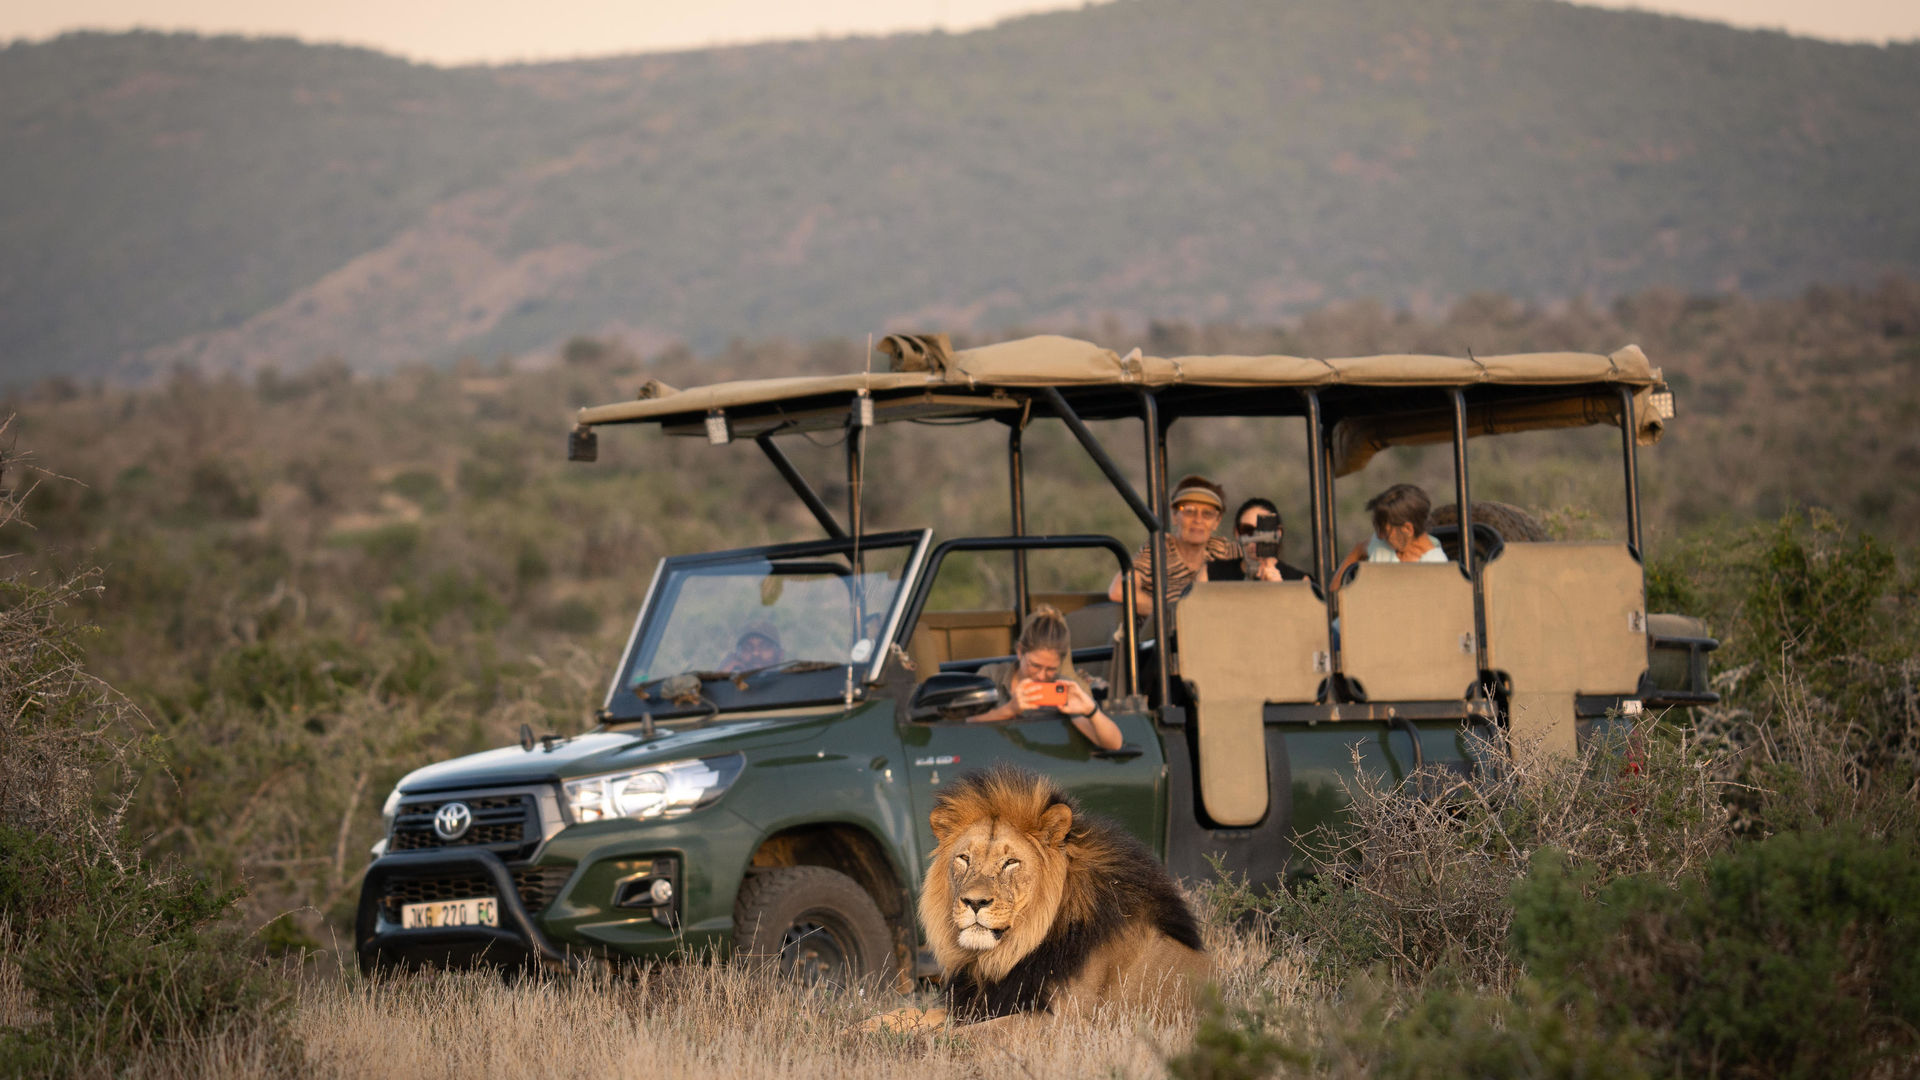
388 810
669 790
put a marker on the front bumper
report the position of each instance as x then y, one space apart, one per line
382 942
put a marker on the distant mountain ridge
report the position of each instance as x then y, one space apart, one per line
232 203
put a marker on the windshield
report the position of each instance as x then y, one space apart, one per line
766 627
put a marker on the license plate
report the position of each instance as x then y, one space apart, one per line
478 911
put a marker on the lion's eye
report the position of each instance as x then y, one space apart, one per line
1008 865
960 860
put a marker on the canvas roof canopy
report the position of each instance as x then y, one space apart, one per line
1373 401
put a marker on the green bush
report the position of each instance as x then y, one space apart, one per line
1824 680
1441 1033
213 491
1450 1032
421 486
1814 599
1792 956
286 674
445 593
124 961
1233 1043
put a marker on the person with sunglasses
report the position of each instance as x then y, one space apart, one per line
1197 505
1252 566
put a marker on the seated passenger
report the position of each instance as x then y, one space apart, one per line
1191 546
1399 531
758 647
1252 564
1043 649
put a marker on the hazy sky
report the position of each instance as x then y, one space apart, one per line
470 31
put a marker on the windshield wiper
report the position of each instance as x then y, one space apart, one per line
789 667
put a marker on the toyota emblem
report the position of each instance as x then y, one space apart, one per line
452 821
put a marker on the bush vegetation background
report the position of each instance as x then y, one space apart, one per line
237 610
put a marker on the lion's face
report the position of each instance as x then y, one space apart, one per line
991 873
994 888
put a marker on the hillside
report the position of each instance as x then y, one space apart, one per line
238 203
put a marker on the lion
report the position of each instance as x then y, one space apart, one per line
1034 908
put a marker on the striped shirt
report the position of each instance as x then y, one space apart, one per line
1180 576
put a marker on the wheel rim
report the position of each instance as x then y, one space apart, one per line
817 950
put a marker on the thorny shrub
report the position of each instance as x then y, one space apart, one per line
121 961
1420 877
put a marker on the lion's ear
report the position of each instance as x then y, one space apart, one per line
1054 823
945 821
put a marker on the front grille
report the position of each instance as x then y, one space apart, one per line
537 886
504 824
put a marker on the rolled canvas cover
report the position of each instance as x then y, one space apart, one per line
1243 644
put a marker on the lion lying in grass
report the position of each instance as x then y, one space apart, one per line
1033 908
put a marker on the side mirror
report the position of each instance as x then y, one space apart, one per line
952 695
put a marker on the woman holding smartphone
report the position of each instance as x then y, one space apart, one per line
1034 681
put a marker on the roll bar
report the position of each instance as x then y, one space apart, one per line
1035 543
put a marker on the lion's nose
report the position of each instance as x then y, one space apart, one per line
977 905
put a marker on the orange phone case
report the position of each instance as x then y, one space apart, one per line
1051 695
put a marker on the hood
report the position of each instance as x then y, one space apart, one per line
608 751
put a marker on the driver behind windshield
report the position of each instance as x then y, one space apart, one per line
758 647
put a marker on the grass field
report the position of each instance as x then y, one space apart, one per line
691 1020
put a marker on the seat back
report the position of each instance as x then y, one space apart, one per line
1068 602
940 636
1407 632
1243 644
1563 619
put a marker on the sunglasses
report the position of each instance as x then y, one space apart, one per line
1249 530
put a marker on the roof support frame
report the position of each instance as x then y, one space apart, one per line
1629 452
1128 643
1091 443
1156 440
1017 496
800 486
1463 504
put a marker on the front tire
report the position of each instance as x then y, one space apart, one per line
816 926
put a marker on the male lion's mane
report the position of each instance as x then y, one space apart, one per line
1098 884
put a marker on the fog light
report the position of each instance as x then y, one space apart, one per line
651 890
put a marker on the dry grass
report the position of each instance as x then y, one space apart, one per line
679 1021
710 1020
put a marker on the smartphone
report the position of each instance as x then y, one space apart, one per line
1051 695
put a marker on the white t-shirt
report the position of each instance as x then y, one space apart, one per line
1379 550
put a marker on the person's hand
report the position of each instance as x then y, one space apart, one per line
1026 694
1268 570
1079 702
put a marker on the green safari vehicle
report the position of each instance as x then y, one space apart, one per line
773 800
